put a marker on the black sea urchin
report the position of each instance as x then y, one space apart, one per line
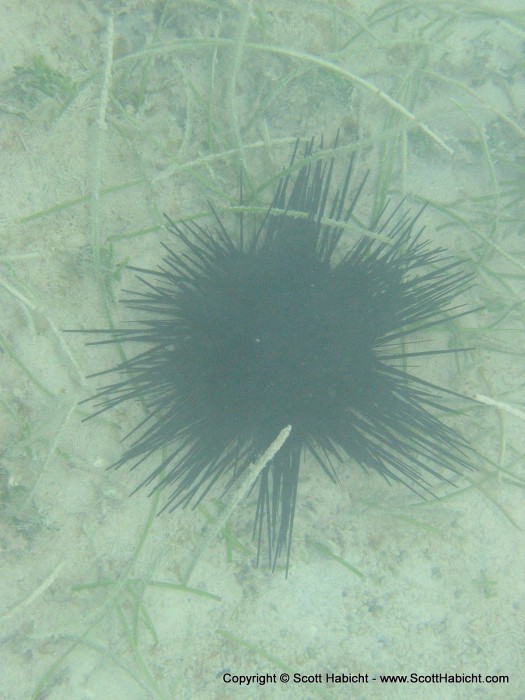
281 325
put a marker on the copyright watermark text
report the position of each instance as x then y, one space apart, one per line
360 678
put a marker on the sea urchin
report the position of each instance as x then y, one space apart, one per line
281 325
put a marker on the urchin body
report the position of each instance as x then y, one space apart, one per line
253 331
